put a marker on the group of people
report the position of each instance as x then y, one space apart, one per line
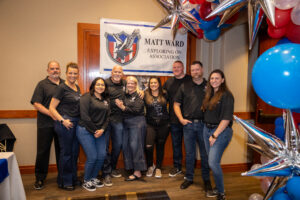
116 110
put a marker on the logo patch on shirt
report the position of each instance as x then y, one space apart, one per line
132 99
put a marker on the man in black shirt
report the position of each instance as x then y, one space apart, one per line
187 107
116 90
41 98
171 86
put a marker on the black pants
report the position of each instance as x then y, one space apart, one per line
44 141
156 135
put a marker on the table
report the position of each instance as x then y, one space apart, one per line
12 186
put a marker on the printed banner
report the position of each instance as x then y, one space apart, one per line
132 45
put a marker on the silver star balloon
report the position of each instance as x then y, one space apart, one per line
230 12
178 12
284 156
267 6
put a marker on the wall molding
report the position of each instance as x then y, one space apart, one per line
19 114
237 167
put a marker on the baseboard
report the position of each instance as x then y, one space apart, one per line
238 167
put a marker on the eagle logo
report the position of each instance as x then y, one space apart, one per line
122 48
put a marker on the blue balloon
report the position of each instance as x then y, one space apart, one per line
281 194
297 110
276 76
292 187
284 41
207 25
212 34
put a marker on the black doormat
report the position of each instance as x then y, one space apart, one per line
158 195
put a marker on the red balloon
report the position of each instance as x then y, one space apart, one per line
200 33
204 10
276 32
197 1
293 32
282 18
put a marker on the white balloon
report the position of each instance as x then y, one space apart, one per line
256 196
255 166
285 4
295 15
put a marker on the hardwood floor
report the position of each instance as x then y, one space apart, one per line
237 187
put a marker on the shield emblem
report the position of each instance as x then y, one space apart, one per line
121 47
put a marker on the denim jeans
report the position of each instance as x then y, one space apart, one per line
215 153
95 151
69 150
114 132
192 133
134 143
177 135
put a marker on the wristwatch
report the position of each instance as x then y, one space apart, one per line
62 121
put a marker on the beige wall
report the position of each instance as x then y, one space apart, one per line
33 32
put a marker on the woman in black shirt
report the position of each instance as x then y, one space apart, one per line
218 107
157 118
94 113
64 106
134 129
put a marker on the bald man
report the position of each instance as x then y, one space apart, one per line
45 122
116 89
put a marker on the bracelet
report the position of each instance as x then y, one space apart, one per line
213 136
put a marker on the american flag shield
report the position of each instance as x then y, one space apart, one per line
121 47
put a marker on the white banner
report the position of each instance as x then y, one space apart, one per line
132 45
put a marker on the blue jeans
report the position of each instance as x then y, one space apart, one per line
192 133
95 151
177 135
134 143
69 150
215 153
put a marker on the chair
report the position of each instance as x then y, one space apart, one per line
7 139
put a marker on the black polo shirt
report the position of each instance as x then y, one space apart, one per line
222 111
94 112
190 96
43 94
115 91
171 86
69 100
134 105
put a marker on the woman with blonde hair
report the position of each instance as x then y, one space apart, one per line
134 129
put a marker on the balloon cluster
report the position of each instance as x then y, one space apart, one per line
287 20
208 28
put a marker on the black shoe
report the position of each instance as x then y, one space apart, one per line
174 172
116 173
186 184
77 183
221 196
68 188
38 185
211 193
135 178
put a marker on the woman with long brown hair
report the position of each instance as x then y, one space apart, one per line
218 106
157 118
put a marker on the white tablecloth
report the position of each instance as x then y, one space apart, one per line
12 186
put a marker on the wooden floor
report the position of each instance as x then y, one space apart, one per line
236 186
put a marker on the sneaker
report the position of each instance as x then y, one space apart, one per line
211 193
88 185
158 173
116 173
186 184
174 172
221 196
38 185
150 171
97 183
107 181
